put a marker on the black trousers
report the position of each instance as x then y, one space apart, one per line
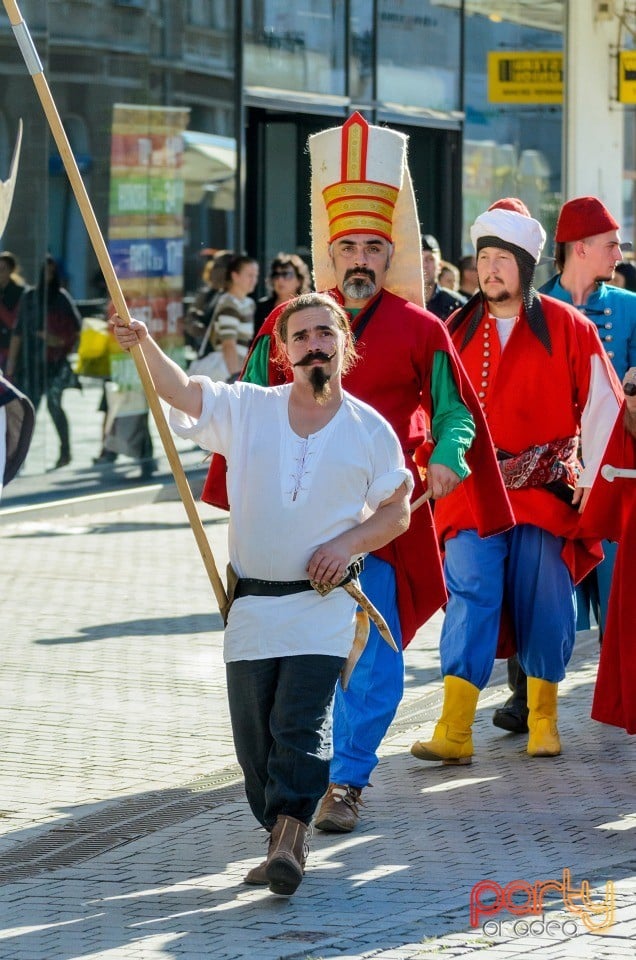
280 710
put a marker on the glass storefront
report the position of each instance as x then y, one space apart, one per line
295 47
511 148
419 54
419 65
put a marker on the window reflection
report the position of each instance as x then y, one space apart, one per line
361 65
295 46
418 53
512 148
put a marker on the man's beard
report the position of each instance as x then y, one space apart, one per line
319 379
357 288
500 297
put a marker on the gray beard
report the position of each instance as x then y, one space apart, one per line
358 289
320 384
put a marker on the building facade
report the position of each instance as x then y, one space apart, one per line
476 84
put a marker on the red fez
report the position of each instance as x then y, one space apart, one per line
583 217
511 203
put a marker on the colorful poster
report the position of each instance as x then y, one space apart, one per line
146 215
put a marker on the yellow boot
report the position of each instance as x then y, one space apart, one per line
452 740
542 719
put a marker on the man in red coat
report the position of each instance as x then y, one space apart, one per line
544 381
366 253
611 513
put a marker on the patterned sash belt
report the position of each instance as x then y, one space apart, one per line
552 465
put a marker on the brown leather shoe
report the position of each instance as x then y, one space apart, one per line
288 849
339 809
257 877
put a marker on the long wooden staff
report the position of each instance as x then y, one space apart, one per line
34 67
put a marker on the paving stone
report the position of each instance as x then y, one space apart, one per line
124 832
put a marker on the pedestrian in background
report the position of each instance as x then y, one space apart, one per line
468 280
231 327
288 277
438 300
448 276
624 276
46 333
199 315
11 289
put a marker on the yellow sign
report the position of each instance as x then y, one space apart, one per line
515 77
627 76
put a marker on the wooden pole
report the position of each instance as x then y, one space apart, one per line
34 67
421 500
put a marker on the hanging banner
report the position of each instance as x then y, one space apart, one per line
146 224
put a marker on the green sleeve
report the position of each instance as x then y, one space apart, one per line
452 426
257 369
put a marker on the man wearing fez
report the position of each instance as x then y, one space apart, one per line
366 254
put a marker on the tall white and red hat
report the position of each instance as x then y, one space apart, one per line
360 183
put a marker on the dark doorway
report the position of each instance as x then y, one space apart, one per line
277 202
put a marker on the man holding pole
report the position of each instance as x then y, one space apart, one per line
316 479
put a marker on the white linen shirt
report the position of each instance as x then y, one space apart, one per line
288 495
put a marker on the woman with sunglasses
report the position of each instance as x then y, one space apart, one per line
288 277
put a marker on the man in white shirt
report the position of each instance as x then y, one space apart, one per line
315 480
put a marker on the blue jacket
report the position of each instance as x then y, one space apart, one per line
613 311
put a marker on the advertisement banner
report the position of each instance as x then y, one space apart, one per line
146 223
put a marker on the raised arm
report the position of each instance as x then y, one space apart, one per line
171 383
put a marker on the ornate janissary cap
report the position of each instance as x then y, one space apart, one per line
360 183
581 218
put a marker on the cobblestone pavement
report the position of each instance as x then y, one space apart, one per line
124 833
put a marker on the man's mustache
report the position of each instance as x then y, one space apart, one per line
315 355
360 271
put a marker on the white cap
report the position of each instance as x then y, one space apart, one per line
512 229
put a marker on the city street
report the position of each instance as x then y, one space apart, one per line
124 833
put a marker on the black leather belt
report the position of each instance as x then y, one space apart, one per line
250 587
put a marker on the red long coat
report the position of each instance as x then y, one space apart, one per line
611 513
393 375
532 397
